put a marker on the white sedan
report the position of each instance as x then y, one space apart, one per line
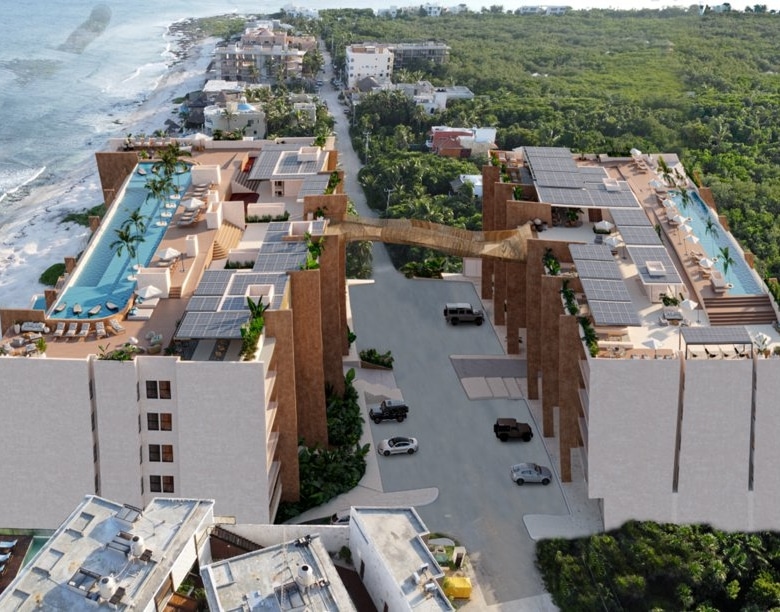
397 446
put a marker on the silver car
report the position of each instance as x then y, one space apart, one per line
397 446
530 472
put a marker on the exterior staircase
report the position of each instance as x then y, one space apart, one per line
228 237
740 310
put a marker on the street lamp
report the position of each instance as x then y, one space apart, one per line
368 136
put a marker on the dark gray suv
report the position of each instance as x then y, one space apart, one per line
463 312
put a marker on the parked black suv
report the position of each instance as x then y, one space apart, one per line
510 428
389 409
463 312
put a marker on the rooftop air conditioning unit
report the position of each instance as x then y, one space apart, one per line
107 587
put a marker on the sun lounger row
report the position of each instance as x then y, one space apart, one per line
115 327
6 546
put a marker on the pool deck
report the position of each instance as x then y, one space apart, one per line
185 275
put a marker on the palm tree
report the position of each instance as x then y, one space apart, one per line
710 228
136 222
125 239
726 260
229 116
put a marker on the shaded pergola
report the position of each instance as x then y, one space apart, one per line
734 335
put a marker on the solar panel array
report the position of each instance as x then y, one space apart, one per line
214 282
551 178
204 304
640 255
633 217
608 298
314 185
614 313
279 262
592 196
726 334
204 325
639 235
598 269
605 290
537 152
598 252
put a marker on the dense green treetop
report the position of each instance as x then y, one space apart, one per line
706 87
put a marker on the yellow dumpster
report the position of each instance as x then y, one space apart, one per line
457 587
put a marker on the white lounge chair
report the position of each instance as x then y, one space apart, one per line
116 327
84 331
8 545
100 329
72 329
60 330
5 557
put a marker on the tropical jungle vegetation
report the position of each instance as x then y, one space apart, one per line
702 85
649 566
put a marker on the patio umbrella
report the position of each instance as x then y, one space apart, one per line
604 226
168 254
689 304
656 184
612 242
679 219
193 203
706 262
654 344
692 238
148 292
668 203
635 152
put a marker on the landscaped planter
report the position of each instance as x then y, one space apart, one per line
373 366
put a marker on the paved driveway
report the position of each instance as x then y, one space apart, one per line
478 504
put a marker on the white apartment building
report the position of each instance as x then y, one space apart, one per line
198 420
364 60
670 414
113 556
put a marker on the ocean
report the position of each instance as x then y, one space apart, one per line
65 90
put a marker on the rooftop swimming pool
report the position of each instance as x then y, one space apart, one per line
740 274
105 275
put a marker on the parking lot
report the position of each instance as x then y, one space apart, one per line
478 504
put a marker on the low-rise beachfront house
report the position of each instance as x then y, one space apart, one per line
648 336
148 387
266 53
461 142
107 555
231 116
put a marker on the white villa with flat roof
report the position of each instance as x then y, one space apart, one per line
109 555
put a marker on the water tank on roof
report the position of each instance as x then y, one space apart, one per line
305 576
107 587
137 546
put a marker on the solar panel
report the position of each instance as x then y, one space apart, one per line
661 271
725 334
212 325
633 217
546 152
564 197
599 252
548 178
614 313
295 246
605 290
234 302
279 262
214 282
638 235
203 304
602 198
598 269
313 185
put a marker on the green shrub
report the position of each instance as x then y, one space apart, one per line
267 218
82 218
381 359
52 274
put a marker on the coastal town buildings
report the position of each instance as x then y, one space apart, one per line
241 116
368 60
123 418
648 344
115 556
265 53
111 555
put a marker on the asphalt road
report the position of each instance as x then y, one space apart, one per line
478 504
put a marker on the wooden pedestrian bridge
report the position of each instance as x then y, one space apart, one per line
508 245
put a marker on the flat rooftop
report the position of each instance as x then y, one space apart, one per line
295 575
397 536
106 545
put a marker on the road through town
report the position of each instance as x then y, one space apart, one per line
478 504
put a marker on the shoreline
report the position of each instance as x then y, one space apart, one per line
35 240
